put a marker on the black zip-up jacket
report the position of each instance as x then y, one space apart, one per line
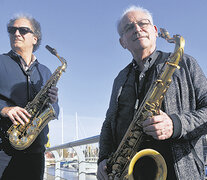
17 88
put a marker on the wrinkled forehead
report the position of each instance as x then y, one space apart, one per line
133 16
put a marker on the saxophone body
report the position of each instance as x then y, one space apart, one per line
120 164
40 109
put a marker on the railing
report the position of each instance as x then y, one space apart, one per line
82 159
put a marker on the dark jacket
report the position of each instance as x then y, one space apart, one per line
186 103
18 87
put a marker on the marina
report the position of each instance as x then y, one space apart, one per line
66 174
76 160
82 161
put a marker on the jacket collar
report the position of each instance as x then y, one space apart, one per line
16 57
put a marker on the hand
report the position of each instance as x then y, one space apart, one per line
160 127
102 174
16 114
53 94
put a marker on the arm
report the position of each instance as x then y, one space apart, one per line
106 137
194 121
105 145
187 106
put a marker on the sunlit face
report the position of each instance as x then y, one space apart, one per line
138 32
22 42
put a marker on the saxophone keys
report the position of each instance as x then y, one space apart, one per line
35 122
23 140
121 160
30 130
173 65
116 167
131 143
160 83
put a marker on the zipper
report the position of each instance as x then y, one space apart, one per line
28 87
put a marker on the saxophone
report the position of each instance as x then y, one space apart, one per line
121 163
21 137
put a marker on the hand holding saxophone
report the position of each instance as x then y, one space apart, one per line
16 114
160 127
102 173
53 94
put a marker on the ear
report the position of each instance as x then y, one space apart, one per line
35 40
122 42
156 30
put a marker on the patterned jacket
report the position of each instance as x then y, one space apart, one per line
185 102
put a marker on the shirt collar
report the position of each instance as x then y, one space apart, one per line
23 63
148 62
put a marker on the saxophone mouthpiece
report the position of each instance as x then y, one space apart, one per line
165 35
52 50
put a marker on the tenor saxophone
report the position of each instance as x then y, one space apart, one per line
121 163
41 111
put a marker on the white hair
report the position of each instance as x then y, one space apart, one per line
130 9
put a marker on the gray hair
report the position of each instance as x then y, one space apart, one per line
130 9
35 27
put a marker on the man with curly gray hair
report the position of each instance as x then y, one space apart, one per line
35 26
21 78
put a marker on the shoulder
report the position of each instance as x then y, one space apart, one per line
43 68
186 60
190 63
7 61
4 57
124 72
186 57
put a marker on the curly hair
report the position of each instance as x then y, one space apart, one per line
35 26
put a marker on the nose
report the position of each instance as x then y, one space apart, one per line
17 32
136 26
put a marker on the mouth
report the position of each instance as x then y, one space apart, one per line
16 40
137 37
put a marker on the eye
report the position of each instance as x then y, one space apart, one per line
129 27
143 24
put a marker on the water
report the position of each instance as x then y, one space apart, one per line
68 174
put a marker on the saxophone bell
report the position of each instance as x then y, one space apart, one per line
148 156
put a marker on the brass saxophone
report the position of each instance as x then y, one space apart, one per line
121 163
21 137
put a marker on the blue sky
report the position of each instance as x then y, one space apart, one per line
84 33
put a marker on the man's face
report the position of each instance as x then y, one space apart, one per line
22 41
138 32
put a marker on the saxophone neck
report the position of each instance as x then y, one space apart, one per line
177 39
179 45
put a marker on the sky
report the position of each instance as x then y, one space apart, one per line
84 33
